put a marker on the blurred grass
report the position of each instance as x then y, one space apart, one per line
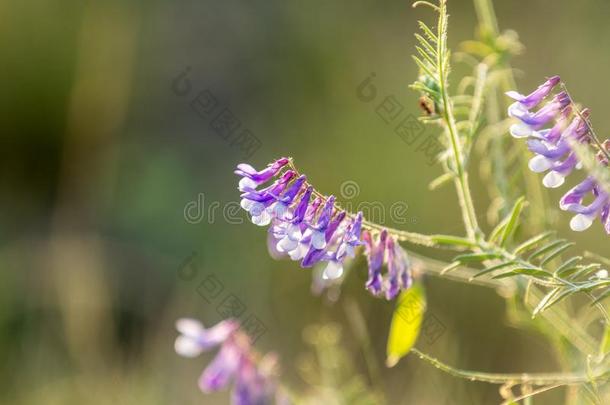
99 158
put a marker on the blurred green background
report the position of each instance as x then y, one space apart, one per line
100 156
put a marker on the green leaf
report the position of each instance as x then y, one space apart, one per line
538 273
546 248
440 180
505 228
476 257
406 323
431 36
568 267
449 267
585 271
556 253
493 268
552 298
423 67
604 347
545 300
426 56
452 240
424 42
512 220
530 243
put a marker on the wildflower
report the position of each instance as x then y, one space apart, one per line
554 151
254 380
386 250
537 95
586 214
312 229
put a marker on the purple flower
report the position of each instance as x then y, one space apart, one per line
387 250
251 178
586 214
375 253
554 153
195 339
531 122
316 232
537 95
222 369
399 272
258 202
236 362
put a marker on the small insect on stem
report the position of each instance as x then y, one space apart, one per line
427 105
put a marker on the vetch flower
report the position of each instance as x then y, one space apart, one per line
533 99
385 250
308 227
195 339
253 378
554 149
251 178
585 214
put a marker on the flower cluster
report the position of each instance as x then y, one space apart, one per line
385 249
310 228
254 379
552 130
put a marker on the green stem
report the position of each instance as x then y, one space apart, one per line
461 180
515 378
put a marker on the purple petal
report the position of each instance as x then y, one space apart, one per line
537 95
222 369
577 193
245 170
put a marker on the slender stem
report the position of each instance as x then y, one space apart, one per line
486 16
587 123
461 180
515 378
400 235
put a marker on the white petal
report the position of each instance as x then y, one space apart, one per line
602 274
520 130
279 209
287 244
189 327
246 183
246 204
294 232
256 209
539 164
187 347
516 109
263 219
553 180
580 222
318 240
299 252
332 271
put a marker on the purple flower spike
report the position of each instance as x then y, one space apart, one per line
319 233
251 178
555 154
537 95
